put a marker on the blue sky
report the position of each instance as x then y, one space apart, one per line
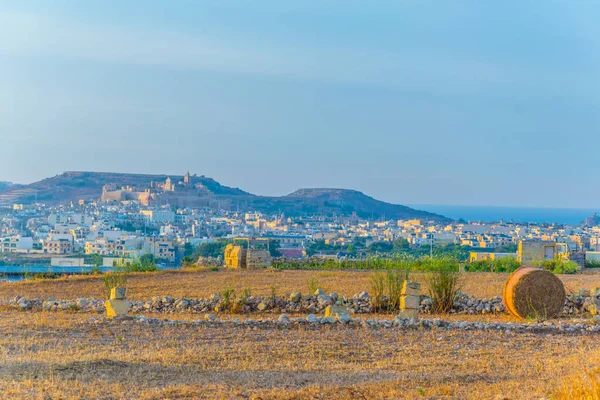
438 102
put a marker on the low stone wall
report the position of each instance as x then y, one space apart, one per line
360 303
285 322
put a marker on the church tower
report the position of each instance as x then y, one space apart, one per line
169 187
186 178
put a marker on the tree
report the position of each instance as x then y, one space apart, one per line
509 248
274 247
401 244
97 260
211 249
380 247
147 259
188 261
188 249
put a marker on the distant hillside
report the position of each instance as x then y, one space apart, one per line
72 186
340 202
5 185
591 221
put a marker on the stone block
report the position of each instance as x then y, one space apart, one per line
410 302
118 293
343 318
408 314
328 320
411 288
295 297
332 311
116 308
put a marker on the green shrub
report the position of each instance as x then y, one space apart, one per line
273 293
313 285
443 280
394 282
386 289
45 275
559 266
246 293
95 271
377 288
227 297
567 267
504 264
141 265
592 264
116 278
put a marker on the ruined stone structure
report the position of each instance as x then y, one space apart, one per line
190 192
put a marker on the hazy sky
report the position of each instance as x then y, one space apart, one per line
441 102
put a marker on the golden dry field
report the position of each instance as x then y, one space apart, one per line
52 355
200 284
58 355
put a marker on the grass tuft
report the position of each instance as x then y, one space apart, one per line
443 281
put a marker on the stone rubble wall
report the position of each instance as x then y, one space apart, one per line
294 302
284 322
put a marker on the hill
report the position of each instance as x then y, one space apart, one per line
591 221
5 185
340 202
72 186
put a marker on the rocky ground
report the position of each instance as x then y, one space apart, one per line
579 326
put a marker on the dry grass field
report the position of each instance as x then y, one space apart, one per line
199 284
52 355
57 355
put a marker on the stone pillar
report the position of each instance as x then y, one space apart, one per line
117 306
410 302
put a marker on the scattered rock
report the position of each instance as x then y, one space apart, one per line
324 300
210 318
343 318
328 320
312 318
295 297
284 318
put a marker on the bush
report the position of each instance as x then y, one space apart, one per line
227 297
592 264
117 278
504 264
443 281
567 267
44 275
377 287
394 282
559 266
387 289
313 285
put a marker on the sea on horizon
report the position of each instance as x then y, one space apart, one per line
569 216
